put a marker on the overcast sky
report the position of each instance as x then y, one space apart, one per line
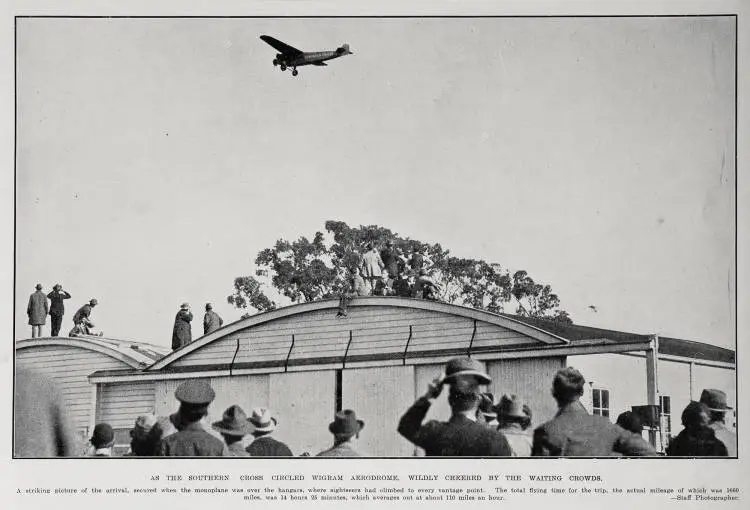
156 157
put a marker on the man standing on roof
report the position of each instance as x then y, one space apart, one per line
372 266
182 333
37 311
462 435
389 256
57 307
211 321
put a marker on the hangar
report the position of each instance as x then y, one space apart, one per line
70 361
305 363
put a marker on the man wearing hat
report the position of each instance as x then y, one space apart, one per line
103 439
211 321
390 258
573 432
37 311
513 423
164 427
233 427
139 443
57 307
191 439
697 439
181 333
345 428
716 403
462 435
81 319
263 424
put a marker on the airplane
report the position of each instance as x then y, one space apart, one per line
294 58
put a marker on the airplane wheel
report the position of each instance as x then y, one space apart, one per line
283 67
275 62
295 72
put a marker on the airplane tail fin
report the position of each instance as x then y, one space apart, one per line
344 50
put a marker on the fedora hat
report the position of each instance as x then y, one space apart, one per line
465 366
185 306
233 422
261 420
346 422
714 400
511 406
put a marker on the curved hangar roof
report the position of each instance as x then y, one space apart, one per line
377 329
133 354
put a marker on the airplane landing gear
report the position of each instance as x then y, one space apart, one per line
295 72
275 62
283 67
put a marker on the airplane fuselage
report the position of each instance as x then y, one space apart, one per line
311 58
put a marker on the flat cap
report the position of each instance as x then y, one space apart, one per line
196 392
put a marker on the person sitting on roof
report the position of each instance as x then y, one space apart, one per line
356 287
426 287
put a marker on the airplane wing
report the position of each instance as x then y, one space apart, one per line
280 46
320 64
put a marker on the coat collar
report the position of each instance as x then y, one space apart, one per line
196 425
572 408
461 419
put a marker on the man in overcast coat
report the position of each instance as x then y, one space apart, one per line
37 311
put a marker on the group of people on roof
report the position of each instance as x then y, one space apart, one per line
182 333
41 305
389 272
52 304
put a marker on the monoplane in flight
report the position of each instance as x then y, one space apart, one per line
294 58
